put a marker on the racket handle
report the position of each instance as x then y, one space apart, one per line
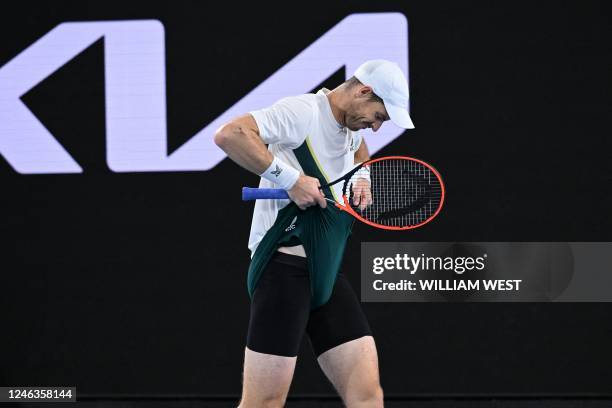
249 193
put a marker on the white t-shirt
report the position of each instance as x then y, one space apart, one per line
286 125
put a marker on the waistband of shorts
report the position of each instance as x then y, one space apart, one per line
293 260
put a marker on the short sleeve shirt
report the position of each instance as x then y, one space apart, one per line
298 122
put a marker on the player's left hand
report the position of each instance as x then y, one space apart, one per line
362 194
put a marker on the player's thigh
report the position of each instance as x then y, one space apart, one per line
343 342
352 368
339 320
266 379
280 309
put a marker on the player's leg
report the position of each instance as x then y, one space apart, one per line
352 368
279 313
266 379
345 349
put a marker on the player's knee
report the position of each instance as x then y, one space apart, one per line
369 396
264 401
274 402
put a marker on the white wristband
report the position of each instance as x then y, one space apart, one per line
281 174
363 173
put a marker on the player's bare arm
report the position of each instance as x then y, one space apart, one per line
362 154
241 141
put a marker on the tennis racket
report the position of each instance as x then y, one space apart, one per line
406 193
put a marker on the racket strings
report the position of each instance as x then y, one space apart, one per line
402 193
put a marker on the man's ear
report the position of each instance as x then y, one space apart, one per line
365 90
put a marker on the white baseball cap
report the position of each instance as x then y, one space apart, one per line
389 83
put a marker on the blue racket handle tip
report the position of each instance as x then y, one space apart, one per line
249 193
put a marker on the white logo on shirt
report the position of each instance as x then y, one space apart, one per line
292 225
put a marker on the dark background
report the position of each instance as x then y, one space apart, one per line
136 283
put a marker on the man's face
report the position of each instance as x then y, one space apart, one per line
365 112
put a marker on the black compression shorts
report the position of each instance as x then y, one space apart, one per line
280 311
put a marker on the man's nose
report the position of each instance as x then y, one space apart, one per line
376 125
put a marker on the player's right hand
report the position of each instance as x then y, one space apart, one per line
305 192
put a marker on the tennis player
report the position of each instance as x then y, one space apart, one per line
297 245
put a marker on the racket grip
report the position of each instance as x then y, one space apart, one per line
249 193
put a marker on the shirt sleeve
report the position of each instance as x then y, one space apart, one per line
286 122
358 139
